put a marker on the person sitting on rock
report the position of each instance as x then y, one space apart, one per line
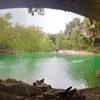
39 82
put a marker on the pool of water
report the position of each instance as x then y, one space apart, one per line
58 71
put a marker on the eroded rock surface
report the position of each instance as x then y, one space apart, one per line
12 89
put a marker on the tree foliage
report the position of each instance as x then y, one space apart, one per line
32 38
75 36
39 11
22 38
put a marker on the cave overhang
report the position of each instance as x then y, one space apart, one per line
88 8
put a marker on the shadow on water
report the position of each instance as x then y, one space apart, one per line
59 71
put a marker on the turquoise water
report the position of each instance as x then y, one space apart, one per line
59 71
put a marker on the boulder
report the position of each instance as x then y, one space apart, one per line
18 88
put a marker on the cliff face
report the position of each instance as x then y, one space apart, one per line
89 8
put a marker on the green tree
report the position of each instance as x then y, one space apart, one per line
59 39
74 35
19 37
46 44
73 26
5 29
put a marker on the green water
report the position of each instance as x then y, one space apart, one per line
59 71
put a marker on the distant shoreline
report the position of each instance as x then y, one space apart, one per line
58 52
72 52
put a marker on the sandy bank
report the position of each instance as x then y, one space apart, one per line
72 52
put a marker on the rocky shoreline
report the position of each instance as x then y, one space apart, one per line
12 89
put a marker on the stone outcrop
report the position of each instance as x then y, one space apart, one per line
91 93
16 90
12 89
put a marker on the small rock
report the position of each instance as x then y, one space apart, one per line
44 87
11 80
98 74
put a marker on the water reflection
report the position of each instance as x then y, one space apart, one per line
59 71
85 69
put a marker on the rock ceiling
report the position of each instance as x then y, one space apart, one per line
89 8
